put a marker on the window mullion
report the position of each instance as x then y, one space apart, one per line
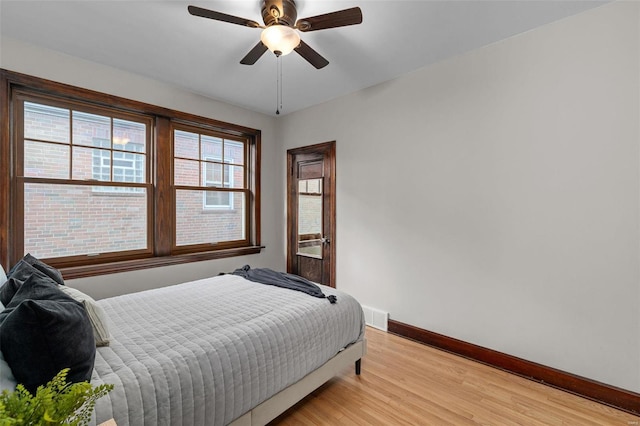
222 165
111 176
164 196
70 144
201 180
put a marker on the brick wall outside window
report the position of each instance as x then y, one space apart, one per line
62 220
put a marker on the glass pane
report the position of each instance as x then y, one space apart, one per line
129 135
89 127
45 122
314 186
101 143
211 148
218 199
233 152
46 160
128 167
91 163
185 172
234 175
186 145
212 174
197 225
67 220
98 164
310 239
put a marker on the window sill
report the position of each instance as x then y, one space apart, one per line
153 262
213 210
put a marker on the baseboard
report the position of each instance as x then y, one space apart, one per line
610 395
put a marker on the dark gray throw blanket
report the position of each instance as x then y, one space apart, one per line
282 279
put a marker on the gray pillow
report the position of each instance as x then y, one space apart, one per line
42 331
48 270
18 275
8 289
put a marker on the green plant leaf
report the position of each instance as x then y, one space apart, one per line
56 403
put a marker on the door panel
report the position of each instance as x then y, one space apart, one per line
309 268
311 212
310 170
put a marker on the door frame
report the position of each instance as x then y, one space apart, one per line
328 152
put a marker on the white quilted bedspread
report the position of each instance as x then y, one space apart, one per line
208 351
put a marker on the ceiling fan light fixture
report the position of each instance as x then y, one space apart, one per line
280 39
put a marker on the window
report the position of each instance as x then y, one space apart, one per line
210 176
61 144
92 179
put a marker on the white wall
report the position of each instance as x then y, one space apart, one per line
29 59
494 197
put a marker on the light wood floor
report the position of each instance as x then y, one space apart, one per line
404 382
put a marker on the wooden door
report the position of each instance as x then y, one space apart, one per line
311 212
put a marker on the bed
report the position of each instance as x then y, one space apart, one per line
221 350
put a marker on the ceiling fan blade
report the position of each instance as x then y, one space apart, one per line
341 18
313 57
255 54
219 16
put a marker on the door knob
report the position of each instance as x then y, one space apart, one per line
325 240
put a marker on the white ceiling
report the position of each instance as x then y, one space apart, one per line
161 40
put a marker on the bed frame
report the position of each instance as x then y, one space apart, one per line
288 397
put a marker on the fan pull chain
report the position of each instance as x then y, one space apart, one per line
280 61
278 84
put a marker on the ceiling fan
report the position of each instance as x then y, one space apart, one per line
280 29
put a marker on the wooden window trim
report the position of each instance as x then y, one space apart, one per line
246 190
21 96
153 262
161 250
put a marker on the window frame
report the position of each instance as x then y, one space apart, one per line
19 98
201 130
161 212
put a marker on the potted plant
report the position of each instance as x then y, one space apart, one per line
56 403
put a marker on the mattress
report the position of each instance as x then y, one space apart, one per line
208 351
